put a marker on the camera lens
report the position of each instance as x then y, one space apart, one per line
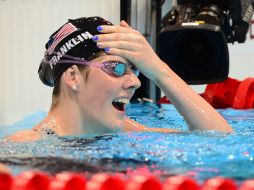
194 49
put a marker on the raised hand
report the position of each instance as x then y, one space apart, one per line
128 43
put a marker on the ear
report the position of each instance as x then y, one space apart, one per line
72 76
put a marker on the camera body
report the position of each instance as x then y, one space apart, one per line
195 33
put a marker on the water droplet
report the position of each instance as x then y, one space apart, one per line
231 157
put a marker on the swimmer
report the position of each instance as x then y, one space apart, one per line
93 67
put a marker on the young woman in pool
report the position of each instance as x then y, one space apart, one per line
93 67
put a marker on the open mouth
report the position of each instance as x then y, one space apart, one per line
119 103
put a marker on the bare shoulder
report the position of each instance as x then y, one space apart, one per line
131 125
24 136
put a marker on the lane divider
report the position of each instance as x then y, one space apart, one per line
6 181
143 182
68 181
247 185
180 183
31 181
221 94
244 98
103 181
34 180
219 183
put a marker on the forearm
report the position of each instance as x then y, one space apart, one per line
131 125
196 111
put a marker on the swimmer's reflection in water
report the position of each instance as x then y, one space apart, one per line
58 162
54 165
92 66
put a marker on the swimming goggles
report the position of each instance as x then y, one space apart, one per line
113 68
118 69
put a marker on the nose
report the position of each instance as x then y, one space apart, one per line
131 81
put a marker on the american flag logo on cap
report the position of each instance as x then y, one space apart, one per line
65 31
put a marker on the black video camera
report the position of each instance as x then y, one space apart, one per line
195 33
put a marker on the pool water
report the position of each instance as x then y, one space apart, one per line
201 155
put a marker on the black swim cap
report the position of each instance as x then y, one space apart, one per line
74 39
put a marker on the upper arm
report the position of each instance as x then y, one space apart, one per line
24 136
131 125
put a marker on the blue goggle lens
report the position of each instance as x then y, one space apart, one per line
119 69
136 72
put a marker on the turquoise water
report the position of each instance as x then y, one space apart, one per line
198 154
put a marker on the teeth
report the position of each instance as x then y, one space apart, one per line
122 100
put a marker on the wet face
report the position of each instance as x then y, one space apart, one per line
103 97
